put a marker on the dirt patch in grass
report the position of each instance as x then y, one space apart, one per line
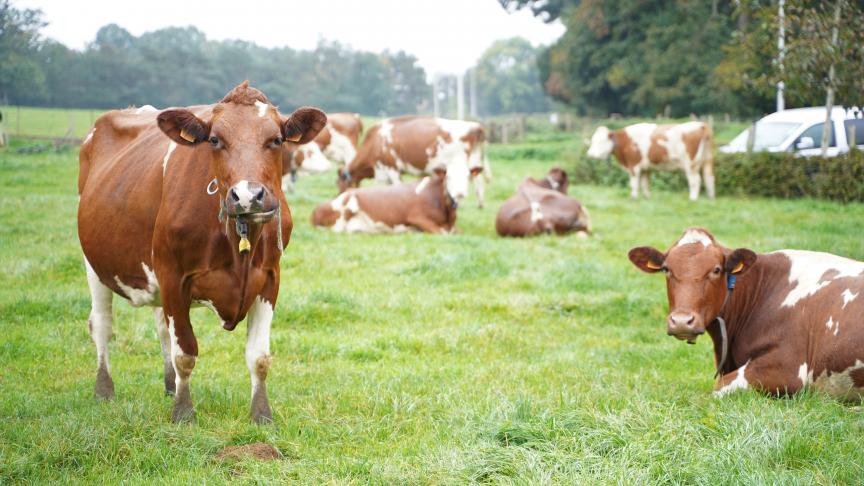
258 451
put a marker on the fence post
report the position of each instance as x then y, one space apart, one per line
850 136
751 137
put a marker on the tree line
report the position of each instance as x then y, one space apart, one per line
648 57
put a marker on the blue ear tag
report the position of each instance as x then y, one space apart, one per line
730 281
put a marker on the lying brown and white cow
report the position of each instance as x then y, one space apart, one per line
537 208
779 321
419 145
643 147
183 207
424 205
337 142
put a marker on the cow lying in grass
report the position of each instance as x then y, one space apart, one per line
425 205
780 321
542 207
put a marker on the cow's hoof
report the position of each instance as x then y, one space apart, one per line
104 385
262 417
260 412
182 414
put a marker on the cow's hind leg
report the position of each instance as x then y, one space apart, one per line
100 323
634 182
694 181
708 175
645 182
479 189
165 341
258 357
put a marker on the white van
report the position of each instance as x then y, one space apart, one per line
799 130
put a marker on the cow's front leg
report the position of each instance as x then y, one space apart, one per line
184 354
479 189
634 182
766 374
694 181
165 341
730 382
425 224
258 357
645 182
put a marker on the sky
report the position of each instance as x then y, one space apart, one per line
446 36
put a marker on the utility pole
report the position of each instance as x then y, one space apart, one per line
473 87
781 50
436 108
460 96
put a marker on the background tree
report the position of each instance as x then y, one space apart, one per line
508 80
19 43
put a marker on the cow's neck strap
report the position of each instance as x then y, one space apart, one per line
724 336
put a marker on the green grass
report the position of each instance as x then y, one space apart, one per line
416 359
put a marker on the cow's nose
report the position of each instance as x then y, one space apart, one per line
247 197
682 323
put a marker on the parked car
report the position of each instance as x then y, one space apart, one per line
799 130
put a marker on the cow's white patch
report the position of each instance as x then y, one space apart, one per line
258 340
739 383
807 269
145 109
262 108
89 136
101 316
422 185
536 214
848 296
146 296
314 161
244 195
386 132
695 236
340 149
805 375
386 175
352 219
601 145
171 146
841 384
833 327
164 334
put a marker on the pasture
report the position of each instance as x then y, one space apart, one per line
417 359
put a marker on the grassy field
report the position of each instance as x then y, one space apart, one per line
416 359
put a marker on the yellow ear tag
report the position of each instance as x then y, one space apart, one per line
186 136
653 266
294 138
244 245
738 267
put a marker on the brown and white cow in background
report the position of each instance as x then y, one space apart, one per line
183 207
643 147
419 145
543 206
424 205
779 321
337 142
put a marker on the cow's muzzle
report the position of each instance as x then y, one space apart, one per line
685 326
251 201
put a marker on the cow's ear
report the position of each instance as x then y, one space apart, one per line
303 125
647 259
739 261
440 171
183 127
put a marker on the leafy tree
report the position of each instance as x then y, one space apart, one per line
508 80
20 76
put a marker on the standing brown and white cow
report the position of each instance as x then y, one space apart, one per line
336 142
643 147
542 207
424 205
183 207
779 321
419 145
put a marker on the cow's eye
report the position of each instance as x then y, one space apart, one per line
664 269
277 141
717 270
214 141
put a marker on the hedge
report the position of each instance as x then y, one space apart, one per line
781 175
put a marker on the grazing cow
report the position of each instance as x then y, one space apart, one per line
183 207
337 142
419 145
542 207
423 205
779 321
642 147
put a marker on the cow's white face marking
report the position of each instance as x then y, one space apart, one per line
340 149
695 236
840 385
146 296
536 214
145 109
457 155
262 108
804 375
244 195
848 296
832 326
739 383
422 185
807 269
314 161
601 145
171 147
89 136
